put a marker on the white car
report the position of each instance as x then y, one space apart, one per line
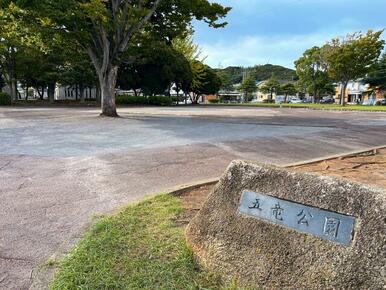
295 101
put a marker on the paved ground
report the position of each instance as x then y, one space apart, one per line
59 167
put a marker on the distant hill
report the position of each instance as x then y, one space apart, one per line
259 72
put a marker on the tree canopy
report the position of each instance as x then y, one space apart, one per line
106 29
205 81
312 74
352 57
270 87
248 87
377 77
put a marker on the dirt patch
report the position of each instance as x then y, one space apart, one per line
192 201
367 168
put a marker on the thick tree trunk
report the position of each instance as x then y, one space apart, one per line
107 83
315 97
51 92
81 92
12 75
13 90
76 93
343 94
41 94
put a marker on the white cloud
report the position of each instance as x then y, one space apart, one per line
252 50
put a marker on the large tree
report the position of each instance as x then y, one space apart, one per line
12 37
248 87
205 81
287 89
106 28
377 77
313 77
270 87
352 57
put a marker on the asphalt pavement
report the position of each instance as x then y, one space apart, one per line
61 166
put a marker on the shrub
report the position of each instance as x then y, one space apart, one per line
5 99
268 101
140 100
214 101
160 101
131 100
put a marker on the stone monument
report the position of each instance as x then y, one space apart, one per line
270 228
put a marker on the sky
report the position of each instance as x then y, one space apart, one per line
279 31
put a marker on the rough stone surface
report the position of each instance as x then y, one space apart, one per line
268 256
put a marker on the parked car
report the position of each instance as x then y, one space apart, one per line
370 102
295 101
327 100
381 102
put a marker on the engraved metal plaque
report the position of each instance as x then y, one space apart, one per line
322 223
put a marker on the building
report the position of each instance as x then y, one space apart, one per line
358 92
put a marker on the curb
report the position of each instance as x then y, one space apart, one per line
296 107
334 156
180 189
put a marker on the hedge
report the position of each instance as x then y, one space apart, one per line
5 99
141 100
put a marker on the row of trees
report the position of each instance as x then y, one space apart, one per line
341 60
271 86
320 69
88 41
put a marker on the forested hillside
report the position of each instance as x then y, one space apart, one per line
234 74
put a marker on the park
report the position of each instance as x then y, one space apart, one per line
131 160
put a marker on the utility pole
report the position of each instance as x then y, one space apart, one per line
245 75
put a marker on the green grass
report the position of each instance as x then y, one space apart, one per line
138 248
311 106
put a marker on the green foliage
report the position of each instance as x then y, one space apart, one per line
214 101
5 99
107 30
14 35
352 57
287 89
142 100
248 87
270 87
377 77
78 71
226 83
312 74
268 101
2 82
141 247
155 67
184 45
205 80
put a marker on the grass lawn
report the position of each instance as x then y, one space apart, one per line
141 247
311 106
